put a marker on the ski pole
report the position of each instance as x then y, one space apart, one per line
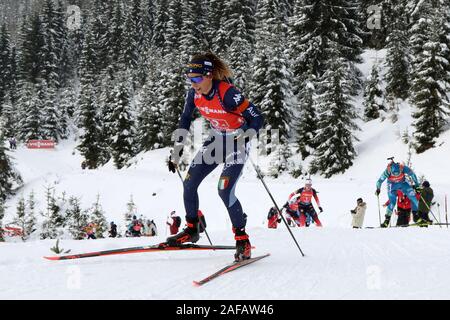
428 207
166 226
379 210
200 220
439 211
258 173
446 218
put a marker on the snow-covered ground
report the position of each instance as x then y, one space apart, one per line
340 263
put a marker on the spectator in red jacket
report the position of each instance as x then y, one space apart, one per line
403 209
273 218
174 223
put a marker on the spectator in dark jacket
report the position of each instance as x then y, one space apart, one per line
113 230
425 202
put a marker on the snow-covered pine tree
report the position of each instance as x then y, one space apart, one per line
106 102
14 78
150 118
287 8
68 99
134 41
65 50
2 214
32 205
50 109
385 11
148 20
306 119
5 64
349 36
31 40
314 27
25 218
430 83
31 113
397 57
99 42
90 146
279 160
123 132
160 26
420 19
241 28
51 50
116 36
131 211
77 219
97 217
171 95
270 88
302 55
445 27
215 31
9 177
239 25
173 30
373 95
193 32
8 118
53 218
335 151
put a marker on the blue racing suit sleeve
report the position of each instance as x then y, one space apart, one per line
413 176
253 117
186 116
383 177
234 101
189 107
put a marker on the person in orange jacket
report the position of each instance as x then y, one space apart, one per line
90 231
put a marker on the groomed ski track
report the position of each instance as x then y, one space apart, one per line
339 264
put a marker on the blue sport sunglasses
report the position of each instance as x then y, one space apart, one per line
197 79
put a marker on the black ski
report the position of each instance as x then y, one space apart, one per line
229 268
152 248
409 225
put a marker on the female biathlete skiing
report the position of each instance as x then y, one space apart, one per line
233 120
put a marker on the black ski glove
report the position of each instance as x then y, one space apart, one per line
377 192
172 165
173 161
320 208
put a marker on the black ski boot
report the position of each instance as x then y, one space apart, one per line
385 224
418 220
243 246
189 234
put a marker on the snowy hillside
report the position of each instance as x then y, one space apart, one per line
340 262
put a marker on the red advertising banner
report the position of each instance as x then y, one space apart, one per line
41 144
